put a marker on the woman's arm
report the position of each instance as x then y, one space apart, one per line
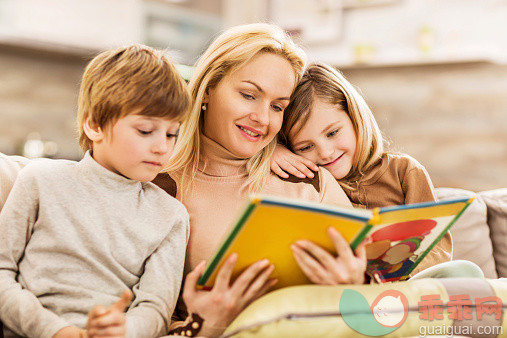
220 306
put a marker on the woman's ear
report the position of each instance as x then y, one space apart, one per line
205 98
92 129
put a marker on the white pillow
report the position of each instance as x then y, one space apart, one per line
9 168
496 200
470 234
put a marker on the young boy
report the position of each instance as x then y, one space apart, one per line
78 234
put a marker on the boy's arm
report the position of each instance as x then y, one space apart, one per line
20 310
156 293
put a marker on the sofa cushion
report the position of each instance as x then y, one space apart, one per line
9 168
470 234
496 201
402 309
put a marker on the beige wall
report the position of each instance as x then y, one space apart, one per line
452 118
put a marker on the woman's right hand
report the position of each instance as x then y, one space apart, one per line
284 161
220 306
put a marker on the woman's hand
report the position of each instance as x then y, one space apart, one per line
285 161
109 322
323 268
224 302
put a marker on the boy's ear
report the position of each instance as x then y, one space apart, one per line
92 129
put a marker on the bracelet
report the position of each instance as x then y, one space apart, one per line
193 325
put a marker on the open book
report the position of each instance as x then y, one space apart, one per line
401 236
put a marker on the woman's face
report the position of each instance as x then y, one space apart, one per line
245 110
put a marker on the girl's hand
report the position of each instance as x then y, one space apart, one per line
285 161
323 268
109 322
220 306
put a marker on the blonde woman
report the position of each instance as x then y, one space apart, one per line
240 89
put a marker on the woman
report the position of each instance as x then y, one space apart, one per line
240 88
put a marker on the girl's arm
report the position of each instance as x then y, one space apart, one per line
285 162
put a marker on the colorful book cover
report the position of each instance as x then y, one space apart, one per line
267 226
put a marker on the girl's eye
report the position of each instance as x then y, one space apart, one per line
247 96
305 148
144 132
168 135
333 133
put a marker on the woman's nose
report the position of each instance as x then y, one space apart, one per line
261 115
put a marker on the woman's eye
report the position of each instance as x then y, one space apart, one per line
277 108
247 96
333 133
144 132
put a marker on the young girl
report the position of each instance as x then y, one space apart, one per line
329 124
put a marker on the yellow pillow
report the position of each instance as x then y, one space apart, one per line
393 310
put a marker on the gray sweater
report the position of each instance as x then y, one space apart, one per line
74 235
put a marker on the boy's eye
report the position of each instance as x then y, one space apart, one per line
247 96
144 132
333 133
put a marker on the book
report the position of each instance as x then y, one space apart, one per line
401 236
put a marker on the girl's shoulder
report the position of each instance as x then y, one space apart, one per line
401 161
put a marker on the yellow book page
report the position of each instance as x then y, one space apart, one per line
270 231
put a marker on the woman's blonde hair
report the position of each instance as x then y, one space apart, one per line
228 52
327 84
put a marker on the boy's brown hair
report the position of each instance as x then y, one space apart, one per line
134 79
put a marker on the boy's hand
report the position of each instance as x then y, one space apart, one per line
109 322
71 332
285 161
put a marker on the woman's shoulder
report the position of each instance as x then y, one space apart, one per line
323 187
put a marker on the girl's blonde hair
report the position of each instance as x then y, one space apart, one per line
231 50
327 84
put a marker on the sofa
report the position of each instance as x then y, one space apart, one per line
480 236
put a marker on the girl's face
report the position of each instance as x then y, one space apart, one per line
245 110
328 139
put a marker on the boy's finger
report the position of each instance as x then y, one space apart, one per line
109 319
97 311
123 303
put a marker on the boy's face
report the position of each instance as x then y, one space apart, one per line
137 147
328 139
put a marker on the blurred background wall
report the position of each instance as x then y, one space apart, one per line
434 72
